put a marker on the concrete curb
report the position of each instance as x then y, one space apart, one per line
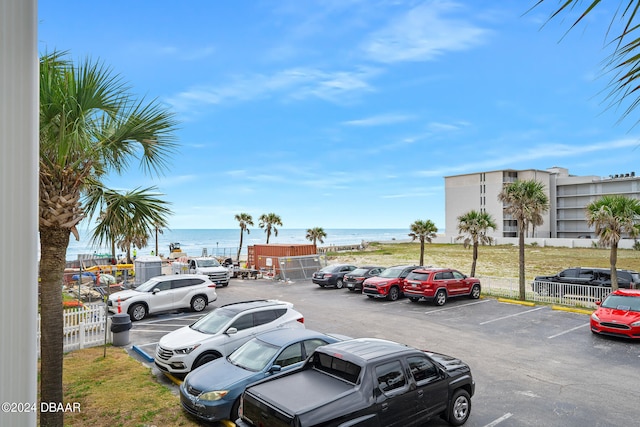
142 353
572 310
514 301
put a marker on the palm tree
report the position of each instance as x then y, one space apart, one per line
89 125
473 227
126 218
269 222
245 221
425 231
316 234
525 201
624 62
612 217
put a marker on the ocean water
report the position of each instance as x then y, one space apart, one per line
224 242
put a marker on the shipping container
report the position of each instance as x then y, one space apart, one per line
265 257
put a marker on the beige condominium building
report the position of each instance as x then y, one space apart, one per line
568 197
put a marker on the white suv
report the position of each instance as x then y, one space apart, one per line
221 332
164 293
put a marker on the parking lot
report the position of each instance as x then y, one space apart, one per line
532 365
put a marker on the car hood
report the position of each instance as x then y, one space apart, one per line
617 316
451 364
128 293
182 337
220 374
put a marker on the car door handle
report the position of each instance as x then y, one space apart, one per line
384 406
420 393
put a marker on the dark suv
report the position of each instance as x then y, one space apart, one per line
388 284
354 279
439 284
627 279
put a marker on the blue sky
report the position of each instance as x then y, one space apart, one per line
349 113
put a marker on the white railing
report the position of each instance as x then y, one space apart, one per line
83 327
546 292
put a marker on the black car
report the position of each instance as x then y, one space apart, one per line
353 280
544 285
332 275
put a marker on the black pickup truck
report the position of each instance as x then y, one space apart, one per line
362 382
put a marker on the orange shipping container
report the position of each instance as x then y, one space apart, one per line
265 256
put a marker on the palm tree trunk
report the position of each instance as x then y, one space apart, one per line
613 260
268 235
421 251
53 248
475 258
521 263
240 247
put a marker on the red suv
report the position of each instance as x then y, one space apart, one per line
439 284
389 283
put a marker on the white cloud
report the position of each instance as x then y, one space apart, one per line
383 119
424 33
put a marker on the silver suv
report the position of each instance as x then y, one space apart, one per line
164 293
222 331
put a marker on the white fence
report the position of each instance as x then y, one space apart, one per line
546 292
83 327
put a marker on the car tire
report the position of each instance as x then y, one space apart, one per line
198 303
352 290
394 294
440 298
205 358
234 415
339 284
137 312
459 408
322 286
475 292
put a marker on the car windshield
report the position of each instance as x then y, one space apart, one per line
210 262
148 286
213 322
622 302
253 355
359 272
391 273
414 275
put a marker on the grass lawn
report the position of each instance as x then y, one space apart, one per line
493 261
117 390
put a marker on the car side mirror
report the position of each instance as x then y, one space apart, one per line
275 368
231 331
155 291
598 302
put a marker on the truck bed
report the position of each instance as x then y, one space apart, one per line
319 387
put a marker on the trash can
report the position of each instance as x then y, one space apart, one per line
120 326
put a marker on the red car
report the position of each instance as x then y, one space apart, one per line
618 315
439 284
388 284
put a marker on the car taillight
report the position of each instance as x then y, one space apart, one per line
359 278
301 320
213 285
327 275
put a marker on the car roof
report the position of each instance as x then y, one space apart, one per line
165 277
404 266
241 306
432 269
284 336
627 292
366 349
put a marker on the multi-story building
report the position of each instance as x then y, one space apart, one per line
568 197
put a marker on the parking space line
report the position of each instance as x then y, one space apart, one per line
568 330
511 315
456 306
499 420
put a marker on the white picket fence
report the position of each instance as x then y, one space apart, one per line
83 327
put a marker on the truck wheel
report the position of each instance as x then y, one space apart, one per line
459 408
339 284
440 298
205 358
475 292
137 312
393 294
198 303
